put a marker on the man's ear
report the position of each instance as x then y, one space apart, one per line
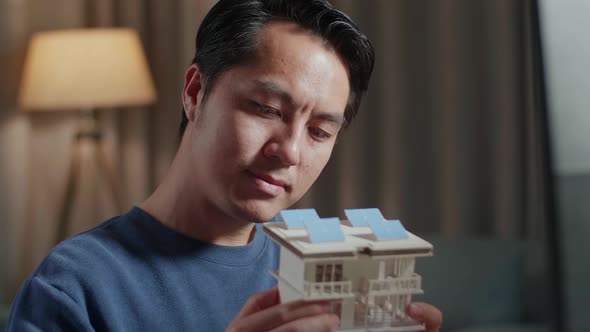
192 93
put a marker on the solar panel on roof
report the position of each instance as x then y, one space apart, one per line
361 217
324 230
388 229
294 218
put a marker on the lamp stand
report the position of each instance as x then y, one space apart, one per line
88 131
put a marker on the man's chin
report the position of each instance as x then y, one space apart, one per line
258 212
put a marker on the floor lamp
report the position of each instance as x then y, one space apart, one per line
85 70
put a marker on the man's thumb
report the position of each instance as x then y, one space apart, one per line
260 301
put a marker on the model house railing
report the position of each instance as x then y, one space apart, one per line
328 288
401 285
387 311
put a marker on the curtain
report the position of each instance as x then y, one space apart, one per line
446 138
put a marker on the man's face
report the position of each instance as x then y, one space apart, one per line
268 128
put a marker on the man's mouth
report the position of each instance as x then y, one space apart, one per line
269 184
271 180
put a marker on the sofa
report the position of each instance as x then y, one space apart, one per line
487 285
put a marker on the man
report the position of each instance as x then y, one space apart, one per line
271 86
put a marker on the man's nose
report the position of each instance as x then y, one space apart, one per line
285 146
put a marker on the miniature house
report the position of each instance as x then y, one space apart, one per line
364 265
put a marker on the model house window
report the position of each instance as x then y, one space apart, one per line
398 267
319 273
392 268
328 272
337 272
337 308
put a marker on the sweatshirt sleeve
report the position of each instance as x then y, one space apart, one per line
40 306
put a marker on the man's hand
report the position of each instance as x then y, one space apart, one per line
426 314
262 312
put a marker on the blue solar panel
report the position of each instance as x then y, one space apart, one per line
295 218
324 230
388 229
361 217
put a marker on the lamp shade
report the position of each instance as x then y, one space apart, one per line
85 69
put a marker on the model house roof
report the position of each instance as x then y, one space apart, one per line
365 231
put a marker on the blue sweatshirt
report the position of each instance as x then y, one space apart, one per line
132 273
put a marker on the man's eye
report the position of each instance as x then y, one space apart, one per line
319 134
268 111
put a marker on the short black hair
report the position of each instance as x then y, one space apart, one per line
228 37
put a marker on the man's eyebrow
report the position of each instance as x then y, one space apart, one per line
274 89
337 120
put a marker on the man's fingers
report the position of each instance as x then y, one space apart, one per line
282 314
292 311
317 323
427 314
259 301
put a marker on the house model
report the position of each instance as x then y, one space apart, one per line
363 265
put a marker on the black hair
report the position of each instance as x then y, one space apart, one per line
228 37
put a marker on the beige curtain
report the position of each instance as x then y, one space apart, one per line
445 139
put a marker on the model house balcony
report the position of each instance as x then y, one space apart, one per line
391 286
328 289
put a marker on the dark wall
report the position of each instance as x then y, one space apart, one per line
574 216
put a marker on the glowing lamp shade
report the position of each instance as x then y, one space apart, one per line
85 69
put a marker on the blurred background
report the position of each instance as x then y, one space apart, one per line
473 133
